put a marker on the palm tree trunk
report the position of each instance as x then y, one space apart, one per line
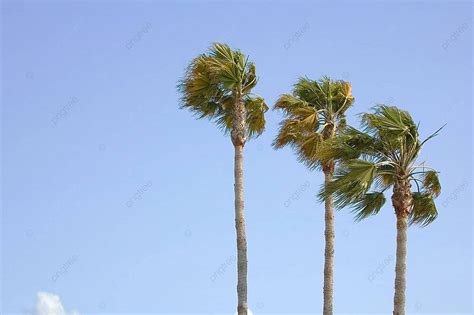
400 266
238 137
402 201
329 246
240 228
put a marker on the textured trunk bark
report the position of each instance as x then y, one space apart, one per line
238 137
329 246
240 228
402 201
400 266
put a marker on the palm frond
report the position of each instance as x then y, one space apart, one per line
310 117
308 144
434 134
386 175
351 182
250 79
361 171
380 156
343 98
214 80
369 204
288 134
256 109
223 118
424 209
288 103
309 91
350 143
200 91
336 148
222 52
390 123
431 183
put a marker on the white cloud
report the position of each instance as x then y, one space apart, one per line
50 304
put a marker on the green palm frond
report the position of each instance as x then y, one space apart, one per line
310 91
335 149
360 141
214 80
250 79
391 124
223 117
424 209
380 156
230 65
222 52
361 171
431 183
288 134
346 194
434 134
349 144
343 98
386 174
308 117
314 113
256 109
351 182
369 204
307 147
342 124
288 103
200 90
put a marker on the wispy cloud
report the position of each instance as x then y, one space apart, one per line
50 304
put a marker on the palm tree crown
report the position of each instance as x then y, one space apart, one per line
314 112
381 156
214 81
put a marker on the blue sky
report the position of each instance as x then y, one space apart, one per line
119 202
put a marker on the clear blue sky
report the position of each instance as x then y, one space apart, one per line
119 202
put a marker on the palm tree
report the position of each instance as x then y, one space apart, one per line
314 113
217 85
382 156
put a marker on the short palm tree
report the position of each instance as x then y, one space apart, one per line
314 113
217 85
380 157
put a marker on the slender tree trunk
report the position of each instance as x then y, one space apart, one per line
402 201
240 228
238 137
400 266
329 246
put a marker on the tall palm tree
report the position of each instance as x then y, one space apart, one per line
314 113
381 156
217 85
